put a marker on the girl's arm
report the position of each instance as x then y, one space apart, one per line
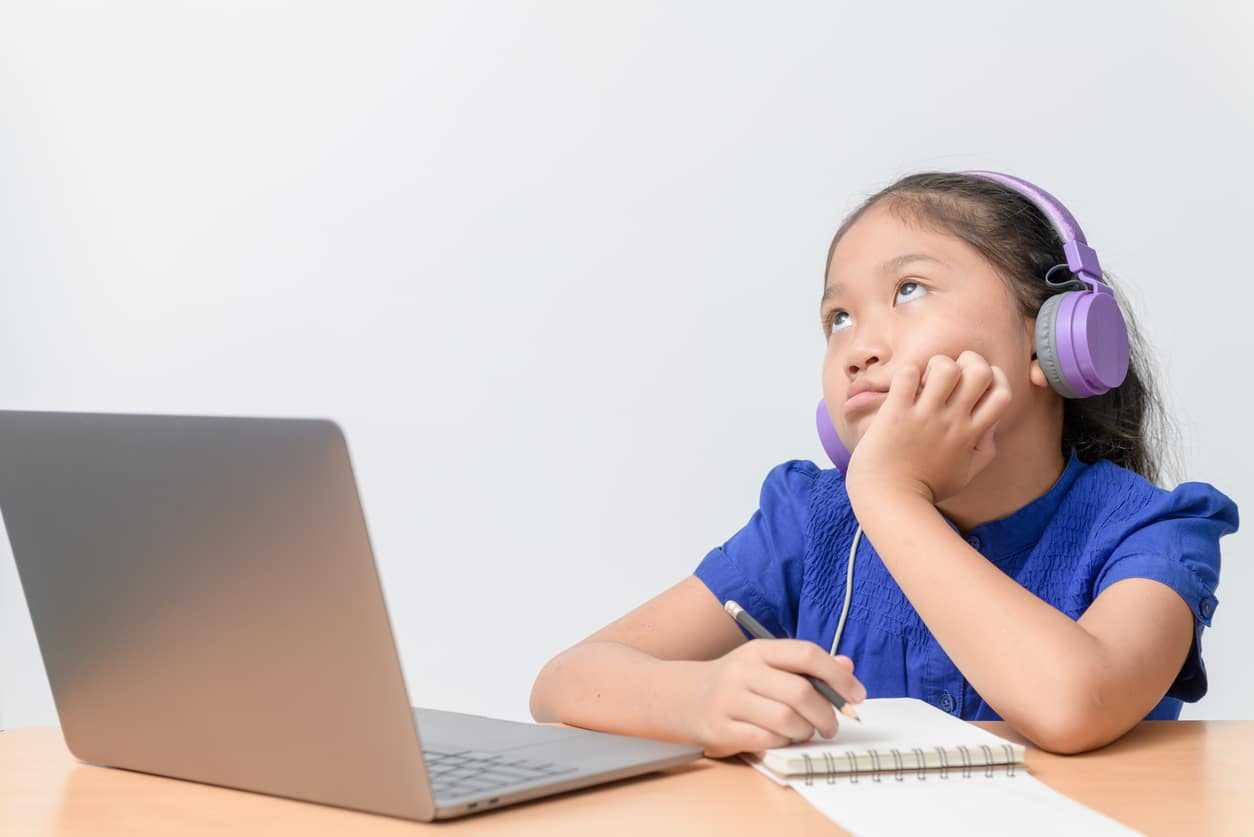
629 676
679 668
1068 686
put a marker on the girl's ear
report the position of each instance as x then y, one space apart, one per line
1037 375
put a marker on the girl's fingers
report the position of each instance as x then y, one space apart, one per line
773 716
744 737
797 695
801 656
941 378
992 405
903 388
976 379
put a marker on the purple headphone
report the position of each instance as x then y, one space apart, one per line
1081 337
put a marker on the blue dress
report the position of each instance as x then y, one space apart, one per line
1098 524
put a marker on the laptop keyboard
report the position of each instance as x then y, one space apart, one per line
467 772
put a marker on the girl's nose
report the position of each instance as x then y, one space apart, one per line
855 367
868 348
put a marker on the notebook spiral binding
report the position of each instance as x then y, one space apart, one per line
899 769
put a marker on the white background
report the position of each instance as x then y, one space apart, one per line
555 267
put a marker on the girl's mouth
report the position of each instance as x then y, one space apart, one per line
862 401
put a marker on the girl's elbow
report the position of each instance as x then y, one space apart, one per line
541 712
1070 727
553 694
541 704
1070 739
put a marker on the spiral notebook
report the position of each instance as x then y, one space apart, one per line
897 735
910 768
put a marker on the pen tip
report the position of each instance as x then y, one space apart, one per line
732 607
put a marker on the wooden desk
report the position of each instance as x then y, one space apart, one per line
1164 777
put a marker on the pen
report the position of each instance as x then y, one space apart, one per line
753 626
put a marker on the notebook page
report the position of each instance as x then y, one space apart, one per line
907 725
1004 804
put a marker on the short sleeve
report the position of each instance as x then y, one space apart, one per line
1175 540
761 566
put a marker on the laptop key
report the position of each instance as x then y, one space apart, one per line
468 772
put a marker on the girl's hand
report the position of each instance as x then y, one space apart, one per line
755 696
931 437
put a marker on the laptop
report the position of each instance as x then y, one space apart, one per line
207 606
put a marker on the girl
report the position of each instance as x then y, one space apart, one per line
995 545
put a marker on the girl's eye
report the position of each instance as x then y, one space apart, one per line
910 290
906 291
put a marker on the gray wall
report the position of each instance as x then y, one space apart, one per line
555 266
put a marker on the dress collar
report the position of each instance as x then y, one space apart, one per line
1019 531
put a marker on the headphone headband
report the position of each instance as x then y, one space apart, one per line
1081 258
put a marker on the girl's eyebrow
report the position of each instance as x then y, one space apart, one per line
891 266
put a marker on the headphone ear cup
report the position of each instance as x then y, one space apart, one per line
1047 345
835 448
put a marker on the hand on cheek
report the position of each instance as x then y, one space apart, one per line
934 431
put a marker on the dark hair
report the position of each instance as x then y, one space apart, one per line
1127 425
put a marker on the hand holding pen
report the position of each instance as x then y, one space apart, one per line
757 696
755 627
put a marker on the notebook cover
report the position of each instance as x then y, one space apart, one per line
895 734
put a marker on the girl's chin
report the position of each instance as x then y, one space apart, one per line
861 423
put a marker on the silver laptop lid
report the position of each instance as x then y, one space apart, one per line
184 632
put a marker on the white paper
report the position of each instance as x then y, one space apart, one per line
962 806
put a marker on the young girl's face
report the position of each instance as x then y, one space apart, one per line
898 293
